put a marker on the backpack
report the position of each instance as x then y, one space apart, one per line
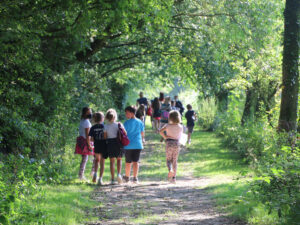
149 111
165 115
124 141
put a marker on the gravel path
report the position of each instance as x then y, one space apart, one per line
158 202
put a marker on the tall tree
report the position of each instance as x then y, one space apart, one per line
290 70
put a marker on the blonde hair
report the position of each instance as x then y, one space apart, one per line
174 117
167 100
111 115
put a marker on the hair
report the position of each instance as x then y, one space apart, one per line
98 117
131 109
111 115
141 94
174 117
176 96
161 96
167 100
141 109
172 102
84 111
189 106
156 104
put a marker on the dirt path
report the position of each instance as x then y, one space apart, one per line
158 202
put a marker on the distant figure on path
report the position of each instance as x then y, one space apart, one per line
84 146
142 101
165 108
135 133
190 116
97 136
114 147
178 104
156 113
172 133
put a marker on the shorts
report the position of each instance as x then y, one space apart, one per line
101 148
114 148
190 129
132 155
157 118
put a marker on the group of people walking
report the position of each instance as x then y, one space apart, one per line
103 139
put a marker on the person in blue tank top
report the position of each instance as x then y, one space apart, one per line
135 132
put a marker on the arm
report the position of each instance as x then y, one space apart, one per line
162 132
105 135
87 130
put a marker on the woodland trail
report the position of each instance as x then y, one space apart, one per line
156 201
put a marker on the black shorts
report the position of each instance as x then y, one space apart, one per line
101 148
114 148
190 129
132 155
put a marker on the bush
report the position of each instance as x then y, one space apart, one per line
277 183
207 113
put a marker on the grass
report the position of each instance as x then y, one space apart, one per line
205 157
65 204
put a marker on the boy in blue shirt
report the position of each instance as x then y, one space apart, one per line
135 133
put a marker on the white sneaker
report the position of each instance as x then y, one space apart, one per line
119 179
82 178
100 181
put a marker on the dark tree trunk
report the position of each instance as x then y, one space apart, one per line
250 94
290 71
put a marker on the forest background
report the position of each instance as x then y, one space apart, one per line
238 59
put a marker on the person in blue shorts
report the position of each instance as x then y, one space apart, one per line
135 132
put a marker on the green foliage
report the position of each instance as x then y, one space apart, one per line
277 183
207 111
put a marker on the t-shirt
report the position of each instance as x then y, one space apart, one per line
112 129
179 105
190 117
174 131
84 123
134 127
165 109
97 132
142 101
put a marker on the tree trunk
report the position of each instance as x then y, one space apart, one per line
290 71
250 95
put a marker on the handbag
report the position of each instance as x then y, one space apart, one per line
123 138
149 111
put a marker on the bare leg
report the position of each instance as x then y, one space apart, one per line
135 168
127 169
189 137
82 165
119 165
102 161
112 168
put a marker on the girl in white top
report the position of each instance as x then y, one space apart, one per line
84 128
172 133
114 148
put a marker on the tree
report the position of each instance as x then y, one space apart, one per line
290 67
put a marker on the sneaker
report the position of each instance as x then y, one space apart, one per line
125 179
113 182
100 181
170 175
94 178
135 180
119 178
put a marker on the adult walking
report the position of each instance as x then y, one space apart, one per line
178 104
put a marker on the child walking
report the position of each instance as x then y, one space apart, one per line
190 116
114 148
83 144
171 132
100 148
135 133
